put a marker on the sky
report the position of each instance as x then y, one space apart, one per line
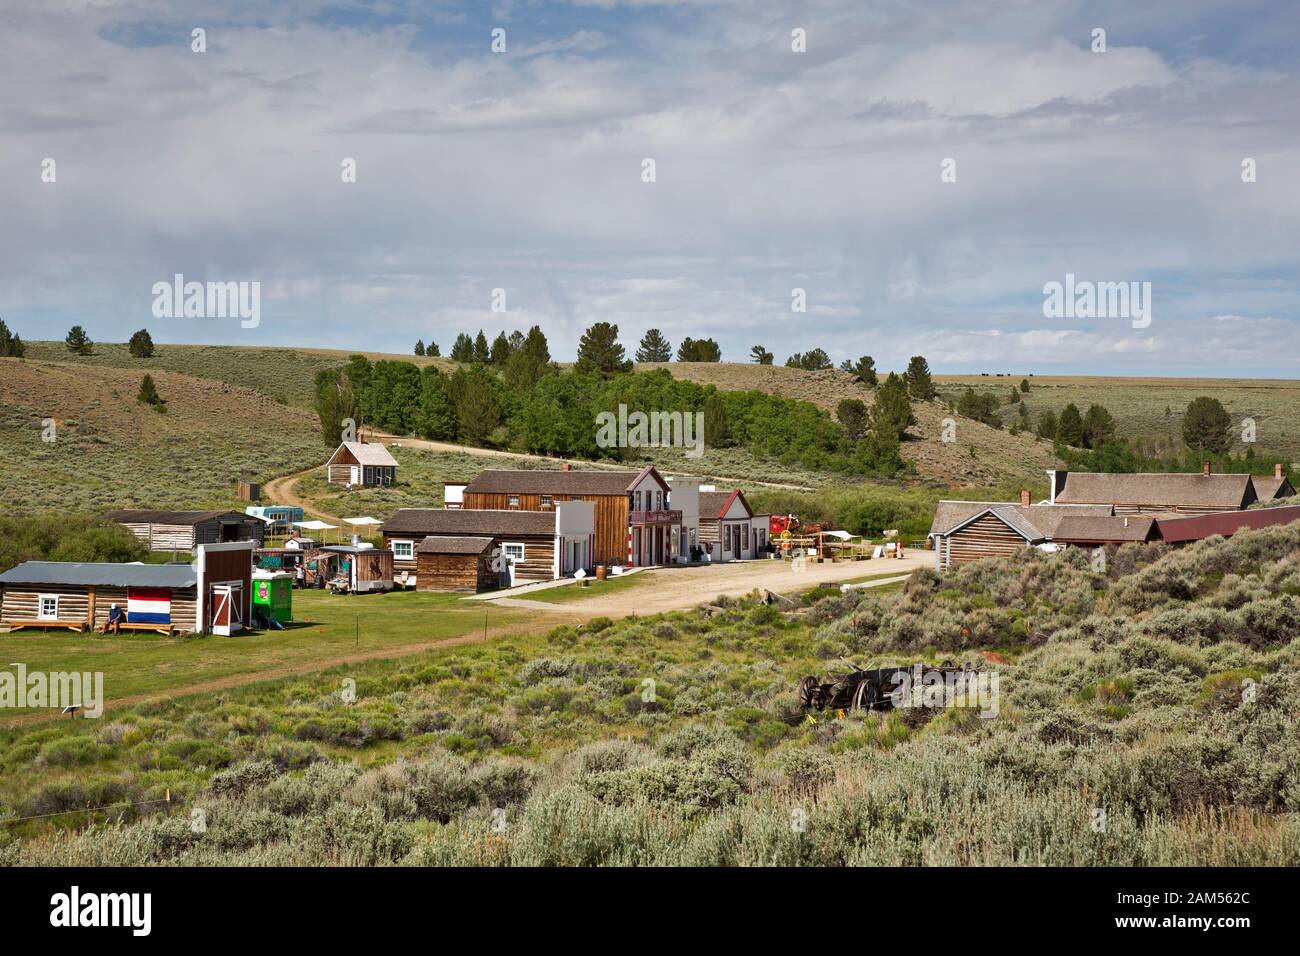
774 170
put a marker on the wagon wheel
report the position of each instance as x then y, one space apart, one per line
864 698
807 691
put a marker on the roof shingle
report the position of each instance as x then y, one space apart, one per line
468 521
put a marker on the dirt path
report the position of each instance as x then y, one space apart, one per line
675 589
284 491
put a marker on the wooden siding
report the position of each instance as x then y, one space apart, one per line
454 572
985 537
22 602
611 518
184 537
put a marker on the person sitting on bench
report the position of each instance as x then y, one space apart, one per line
114 621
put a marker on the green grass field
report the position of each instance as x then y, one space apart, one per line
326 627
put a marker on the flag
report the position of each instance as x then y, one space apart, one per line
148 606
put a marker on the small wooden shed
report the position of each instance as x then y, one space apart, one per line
361 463
454 564
366 568
186 530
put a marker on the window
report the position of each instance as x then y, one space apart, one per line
49 607
514 552
545 501
659 501
512 501
403 550
744 534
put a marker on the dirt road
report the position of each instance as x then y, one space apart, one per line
674 589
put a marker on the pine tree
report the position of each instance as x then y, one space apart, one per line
78 341
141 344
852 413
919 383
1024 385
865 368
432 349
761 355
654 348
1098 426
1069 427
1206 426
600 353
699 350
149 394
463 349
501 350
11 346
892 412
419 346
482 354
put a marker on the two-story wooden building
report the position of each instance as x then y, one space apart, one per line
634 521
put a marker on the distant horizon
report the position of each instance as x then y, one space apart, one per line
630 349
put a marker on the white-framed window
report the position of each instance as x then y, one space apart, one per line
403 550
512 501
514 551
545 500
48 607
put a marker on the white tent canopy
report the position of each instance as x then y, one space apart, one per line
363 521
314 525
842 535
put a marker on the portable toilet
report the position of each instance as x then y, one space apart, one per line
273 593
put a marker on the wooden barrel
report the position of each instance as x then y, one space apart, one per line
600 572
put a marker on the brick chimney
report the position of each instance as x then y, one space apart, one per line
1024 497
1205 469
1277 470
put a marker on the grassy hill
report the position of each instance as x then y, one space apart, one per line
1151 408
110 451
980 456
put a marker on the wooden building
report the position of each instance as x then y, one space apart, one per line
1096 531
1182 492
186 530
361 463
970 530
526 545
729 528
1178 530
455 564
1273 487
211 595
634 522
365 568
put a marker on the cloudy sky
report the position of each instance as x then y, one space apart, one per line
774 170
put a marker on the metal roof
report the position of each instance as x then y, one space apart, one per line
102 574
1225 523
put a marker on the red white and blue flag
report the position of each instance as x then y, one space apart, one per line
149 606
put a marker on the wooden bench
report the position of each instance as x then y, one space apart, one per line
15 624
157 628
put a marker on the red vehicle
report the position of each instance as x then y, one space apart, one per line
779 524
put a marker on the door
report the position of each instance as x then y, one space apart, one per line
227 601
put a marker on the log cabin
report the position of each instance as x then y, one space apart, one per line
527 546
454 563
634 522
361 463
186 530
729 528
213 594
970 530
